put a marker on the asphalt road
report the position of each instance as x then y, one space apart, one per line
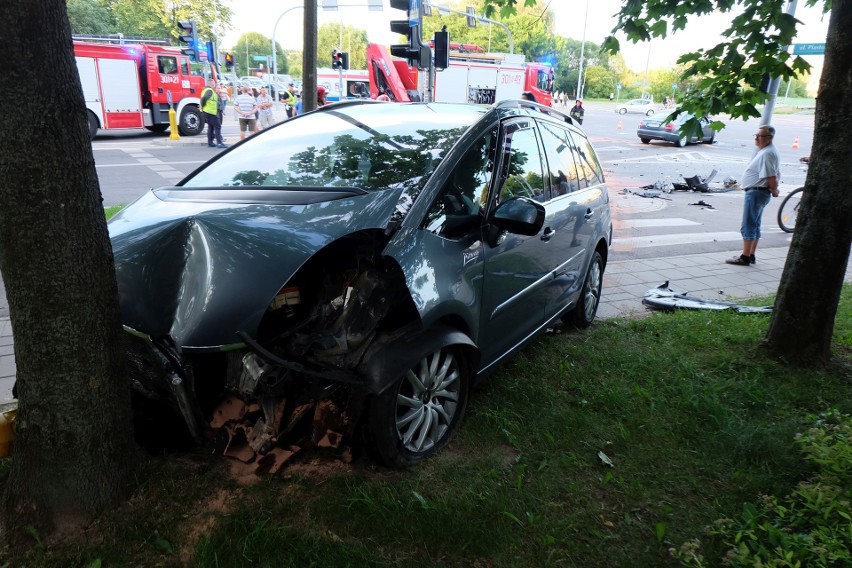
131 163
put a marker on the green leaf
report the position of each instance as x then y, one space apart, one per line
164 545
96 563
420 498
660 531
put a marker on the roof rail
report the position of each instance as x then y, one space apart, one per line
529 105
120 39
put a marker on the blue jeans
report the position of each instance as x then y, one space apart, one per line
755 202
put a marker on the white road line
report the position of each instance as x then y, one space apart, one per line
675 239
688 157
129 164
642 223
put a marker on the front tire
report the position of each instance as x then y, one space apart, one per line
420 413
191 122
789 210
650 112
157 128
622 111
583 314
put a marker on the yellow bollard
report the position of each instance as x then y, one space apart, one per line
7 431
173 125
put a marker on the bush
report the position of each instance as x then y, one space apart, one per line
812 526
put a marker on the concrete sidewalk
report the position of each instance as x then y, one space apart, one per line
625 283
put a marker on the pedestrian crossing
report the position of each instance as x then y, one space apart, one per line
623 242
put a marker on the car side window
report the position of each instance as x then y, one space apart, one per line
457 210
520 169
561 159
587 161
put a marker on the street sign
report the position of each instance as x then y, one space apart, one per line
259 58
471 16
808 49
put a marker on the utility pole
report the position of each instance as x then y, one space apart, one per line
309 58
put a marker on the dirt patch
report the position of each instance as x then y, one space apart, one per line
203 522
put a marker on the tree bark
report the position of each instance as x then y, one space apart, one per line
802 323
73 452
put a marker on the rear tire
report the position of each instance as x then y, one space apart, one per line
645 140
583 314
650 112
93 125
680 142
789 210
622 111
420 413
191 122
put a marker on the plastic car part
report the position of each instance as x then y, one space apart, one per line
421 412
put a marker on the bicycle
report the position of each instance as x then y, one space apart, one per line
789 210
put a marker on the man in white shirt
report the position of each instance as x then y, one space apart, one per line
760 181
245 106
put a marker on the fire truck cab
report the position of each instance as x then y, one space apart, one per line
134 85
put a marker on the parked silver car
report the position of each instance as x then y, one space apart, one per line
356 270
642 106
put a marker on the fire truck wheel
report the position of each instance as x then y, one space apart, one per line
93 124
191 123
158 128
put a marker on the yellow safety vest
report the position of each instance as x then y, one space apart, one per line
212 104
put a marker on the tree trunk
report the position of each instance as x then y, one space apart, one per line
803 321
73 453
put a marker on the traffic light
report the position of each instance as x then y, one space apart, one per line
442 49
335 60
229 62
344 60
189 36
417 54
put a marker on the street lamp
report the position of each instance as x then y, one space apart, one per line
582 50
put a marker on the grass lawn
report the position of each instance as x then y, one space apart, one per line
694 419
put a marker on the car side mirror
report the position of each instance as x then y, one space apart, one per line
519 215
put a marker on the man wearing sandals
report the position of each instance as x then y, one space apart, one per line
760 181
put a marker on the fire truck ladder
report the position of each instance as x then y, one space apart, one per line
120 39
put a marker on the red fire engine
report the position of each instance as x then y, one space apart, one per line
132 86
472 77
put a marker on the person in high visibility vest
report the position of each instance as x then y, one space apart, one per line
210 108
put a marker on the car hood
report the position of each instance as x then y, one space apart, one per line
200 270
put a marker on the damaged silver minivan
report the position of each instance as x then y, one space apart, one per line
348 275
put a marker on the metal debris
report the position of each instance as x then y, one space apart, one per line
703 203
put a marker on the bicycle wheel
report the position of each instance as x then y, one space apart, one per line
789 210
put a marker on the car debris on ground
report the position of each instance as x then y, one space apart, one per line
693 183
665 299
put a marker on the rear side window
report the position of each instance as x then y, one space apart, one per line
587 160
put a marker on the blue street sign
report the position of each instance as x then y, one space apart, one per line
258 58
808 49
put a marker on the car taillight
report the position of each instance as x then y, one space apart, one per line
641 123
670 126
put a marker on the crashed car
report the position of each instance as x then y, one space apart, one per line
668 129
351 273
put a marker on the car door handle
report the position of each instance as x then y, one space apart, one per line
588 214
548 234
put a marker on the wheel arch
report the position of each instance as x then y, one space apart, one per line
392 355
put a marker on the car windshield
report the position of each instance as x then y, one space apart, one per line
370 147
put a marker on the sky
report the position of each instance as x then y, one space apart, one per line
571 21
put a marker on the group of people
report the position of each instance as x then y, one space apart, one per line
252 107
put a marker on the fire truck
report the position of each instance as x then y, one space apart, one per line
133 85
472 77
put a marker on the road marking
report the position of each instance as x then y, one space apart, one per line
629 243
129 164
689 157
642 223
156 165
